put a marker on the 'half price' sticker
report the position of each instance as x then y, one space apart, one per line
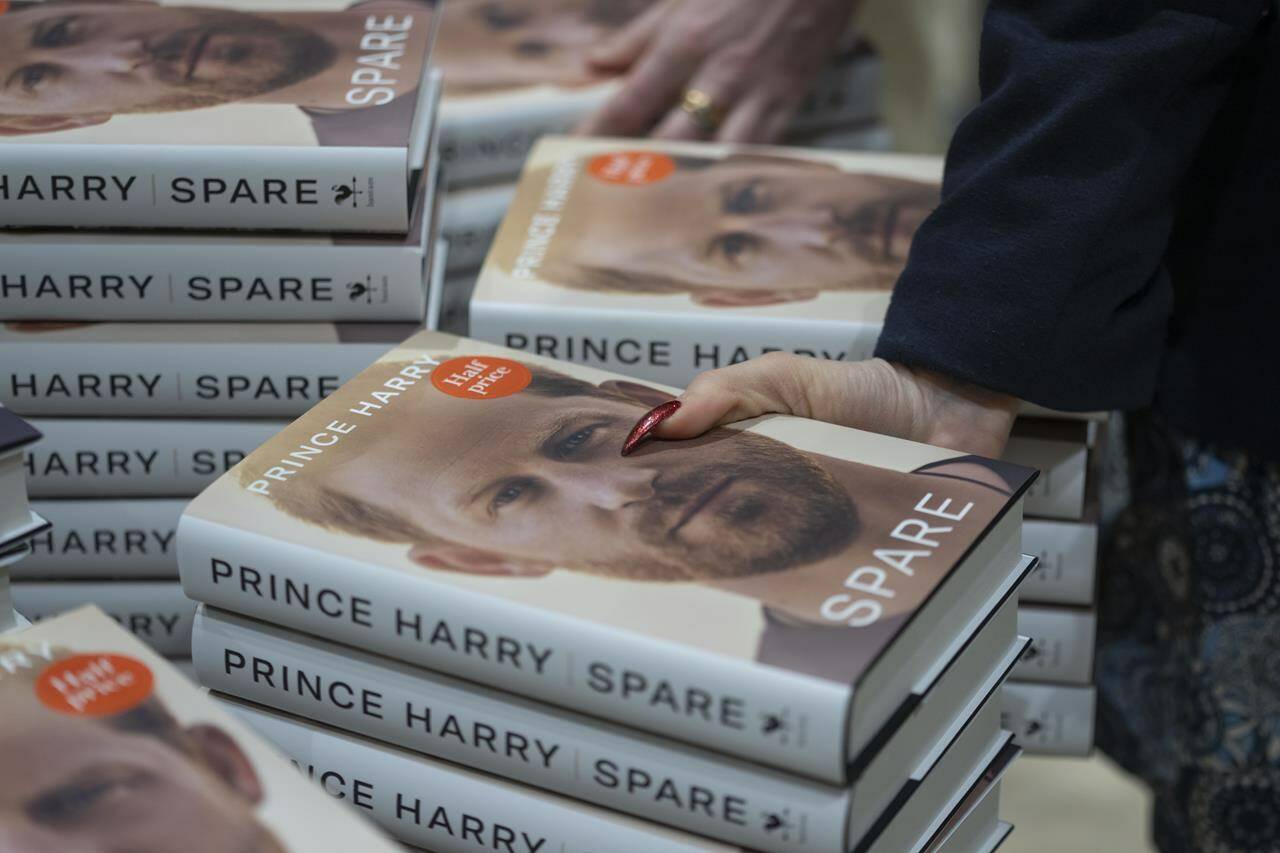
94 685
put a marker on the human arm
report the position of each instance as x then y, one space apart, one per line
1041 274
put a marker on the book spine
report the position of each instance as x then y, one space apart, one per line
445 808
210 280
1062 644
1050 719
1067 567
517 739
490 146
469 219
143 458
720 703
157 613
8 618
666 348
455 304
848 92
176 379
104 538
1059 491
267 187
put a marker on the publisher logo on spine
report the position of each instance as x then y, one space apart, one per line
631 168
350 193
94 685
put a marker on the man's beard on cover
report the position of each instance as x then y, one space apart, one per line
264 54
784 511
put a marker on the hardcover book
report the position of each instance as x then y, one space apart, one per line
663 259
1050 719
775 590
100 538
1062 644
231 115
181 369
417 799
572 754
1060 451
16 438
138 457
156 612
469 218
107 747
1067 553
207 277
514 72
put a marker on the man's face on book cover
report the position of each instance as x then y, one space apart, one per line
492 45
746 230
94 58
109 784
534 481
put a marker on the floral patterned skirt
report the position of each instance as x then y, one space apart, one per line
1189 638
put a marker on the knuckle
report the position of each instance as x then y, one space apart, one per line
777 360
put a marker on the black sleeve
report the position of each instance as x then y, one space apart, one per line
1040 274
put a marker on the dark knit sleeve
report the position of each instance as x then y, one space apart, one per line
1040 274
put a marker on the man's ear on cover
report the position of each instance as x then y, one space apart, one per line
219 752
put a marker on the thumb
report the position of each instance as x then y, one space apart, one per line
620 51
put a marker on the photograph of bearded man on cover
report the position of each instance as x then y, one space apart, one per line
532 485
67 64
744 230
135 780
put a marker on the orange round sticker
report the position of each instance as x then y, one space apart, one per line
631 168
481 377
94 685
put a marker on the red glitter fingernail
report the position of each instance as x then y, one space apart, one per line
648 423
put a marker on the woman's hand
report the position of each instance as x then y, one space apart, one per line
753 60
874 395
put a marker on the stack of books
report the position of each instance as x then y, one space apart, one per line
18 522
108 747
1051 698
201 253
660 260
500 98
785 635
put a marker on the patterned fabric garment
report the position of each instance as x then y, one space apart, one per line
1189 640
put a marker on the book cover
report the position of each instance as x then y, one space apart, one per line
107 747
767 590
663 259
99 538
415 798
232 115
138 457
1050 719
206 276
156 612
1062 644
181 369
591 760
515 72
